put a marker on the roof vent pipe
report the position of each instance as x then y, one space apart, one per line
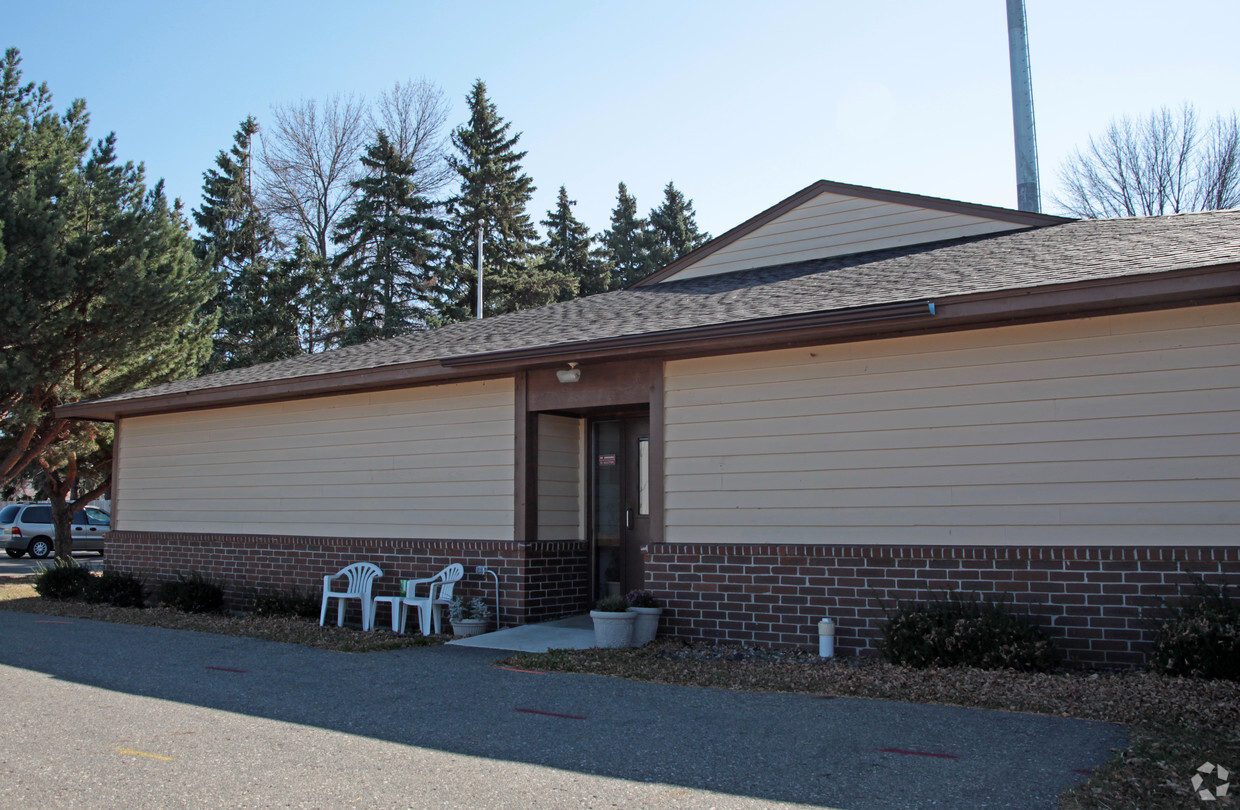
1027 195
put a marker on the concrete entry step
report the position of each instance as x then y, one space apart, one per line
572 633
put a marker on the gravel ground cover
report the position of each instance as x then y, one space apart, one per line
1177 723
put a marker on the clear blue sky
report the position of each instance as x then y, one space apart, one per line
739 103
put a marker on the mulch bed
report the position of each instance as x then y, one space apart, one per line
18 595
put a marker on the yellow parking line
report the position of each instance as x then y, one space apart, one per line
131 752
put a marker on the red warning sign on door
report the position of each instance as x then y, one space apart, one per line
607 460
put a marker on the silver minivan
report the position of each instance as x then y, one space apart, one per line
26 528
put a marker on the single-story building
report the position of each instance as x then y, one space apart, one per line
856 396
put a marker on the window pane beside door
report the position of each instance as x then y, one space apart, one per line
643 477
608 505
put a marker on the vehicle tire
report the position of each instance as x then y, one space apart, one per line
15 552
40 548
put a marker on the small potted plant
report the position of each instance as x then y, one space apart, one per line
469 616
613 624
646 609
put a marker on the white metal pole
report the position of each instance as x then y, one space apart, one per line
479 270
1028 197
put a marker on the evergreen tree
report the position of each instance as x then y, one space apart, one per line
570 254
305 268
392 237
627 243
673 229
256 299
494 193
99 291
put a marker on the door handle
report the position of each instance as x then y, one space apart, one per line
628 518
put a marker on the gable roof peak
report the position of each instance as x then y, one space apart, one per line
1014 218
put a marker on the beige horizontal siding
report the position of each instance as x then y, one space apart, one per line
559 478
1122 429
837 225
433 462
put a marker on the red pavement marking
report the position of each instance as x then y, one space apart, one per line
225 669
527 671
918 753
552 714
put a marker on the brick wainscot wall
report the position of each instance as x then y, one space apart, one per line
538 581
1097 603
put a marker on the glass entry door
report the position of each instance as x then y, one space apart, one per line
619 502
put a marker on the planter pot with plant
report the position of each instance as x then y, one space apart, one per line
613 623
646 609
469 616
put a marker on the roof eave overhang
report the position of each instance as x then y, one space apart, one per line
1079 299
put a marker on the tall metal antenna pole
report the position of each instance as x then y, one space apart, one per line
1028 197
479 269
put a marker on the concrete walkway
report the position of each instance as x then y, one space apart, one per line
573 633
109 715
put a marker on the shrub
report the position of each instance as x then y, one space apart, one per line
612 604
192 594
642 599
962 631
462 608
64 579
117 589
1200 637
290 602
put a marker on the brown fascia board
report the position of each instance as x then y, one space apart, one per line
1026 219
976 310
702 334
1177 288
343 382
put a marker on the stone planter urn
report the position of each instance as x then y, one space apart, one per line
645 624
613 629
469 627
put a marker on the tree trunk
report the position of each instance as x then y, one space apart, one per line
62 519
58 490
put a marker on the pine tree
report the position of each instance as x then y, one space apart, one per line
673 229
627 243
494 193
101 291
570 252
392 239
256 299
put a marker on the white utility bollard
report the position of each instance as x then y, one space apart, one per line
826 639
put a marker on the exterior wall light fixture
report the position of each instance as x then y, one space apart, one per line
571 374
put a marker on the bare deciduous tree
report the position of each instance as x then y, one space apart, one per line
413 115
1162 164
310 159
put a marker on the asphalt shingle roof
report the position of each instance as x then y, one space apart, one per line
1071 252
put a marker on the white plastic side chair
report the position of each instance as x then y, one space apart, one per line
361 577
407 587
430 606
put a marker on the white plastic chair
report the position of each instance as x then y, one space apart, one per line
407 587
431 606
361 577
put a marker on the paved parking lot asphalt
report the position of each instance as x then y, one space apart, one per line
108 715
25 565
